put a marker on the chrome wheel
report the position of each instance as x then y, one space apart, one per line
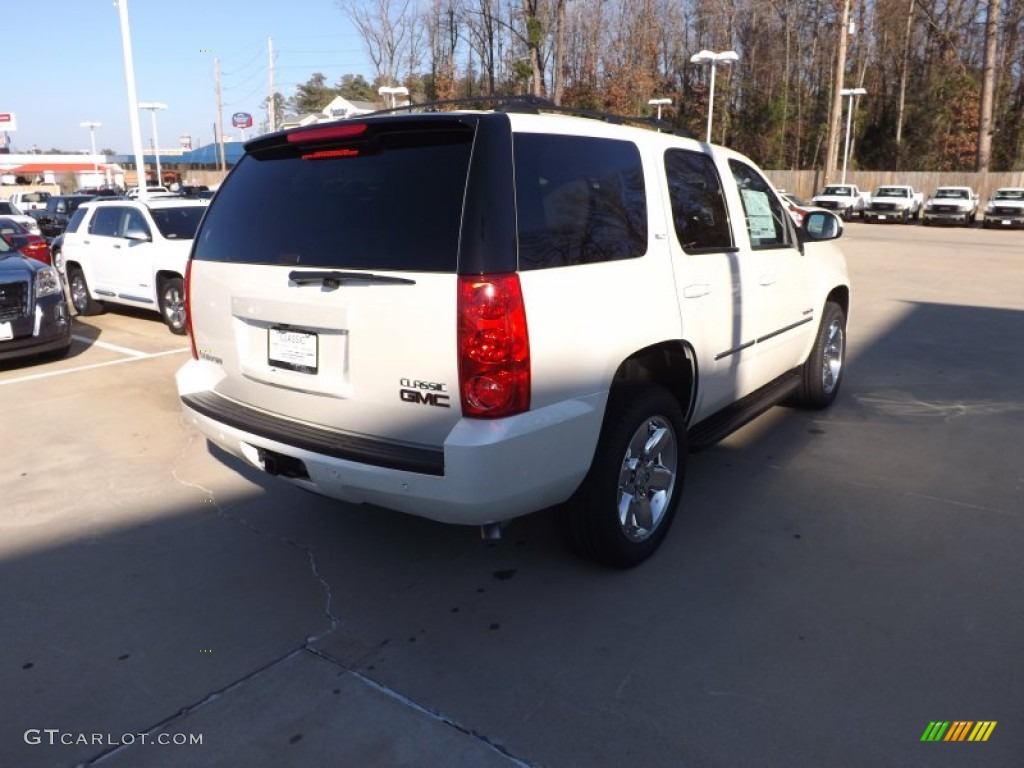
832 359
647 478
172 304
79 293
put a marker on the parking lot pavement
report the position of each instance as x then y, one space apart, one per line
835 582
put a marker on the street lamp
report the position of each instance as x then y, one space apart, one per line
850 92
393 91
712 58
153 106
92 126
659 103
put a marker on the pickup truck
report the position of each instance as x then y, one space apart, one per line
897 202
951 205
1005 208
54 217
844 199
29 201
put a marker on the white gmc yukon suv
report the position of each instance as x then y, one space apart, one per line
470 316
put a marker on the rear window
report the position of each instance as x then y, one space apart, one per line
579 200
392 201
178 223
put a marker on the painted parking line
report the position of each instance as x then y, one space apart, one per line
48 374
112 347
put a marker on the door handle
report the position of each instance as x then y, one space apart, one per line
697 290
768 278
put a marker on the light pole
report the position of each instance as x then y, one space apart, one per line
92 126
659 103
393 91
133 101
712 58
850 92
153 106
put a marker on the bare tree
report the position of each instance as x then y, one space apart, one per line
385 26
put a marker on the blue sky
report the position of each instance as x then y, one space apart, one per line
65 65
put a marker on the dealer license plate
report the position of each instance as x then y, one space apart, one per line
881 218
6 331
292 350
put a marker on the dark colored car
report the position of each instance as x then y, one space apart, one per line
34 317
18 236
54 219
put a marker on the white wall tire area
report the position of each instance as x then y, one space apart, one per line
822 374
623 510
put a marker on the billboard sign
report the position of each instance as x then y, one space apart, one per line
241 120
7 122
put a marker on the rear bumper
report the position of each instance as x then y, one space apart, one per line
486 471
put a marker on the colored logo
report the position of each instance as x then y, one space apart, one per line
958 730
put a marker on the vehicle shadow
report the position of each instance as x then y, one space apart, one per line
824 566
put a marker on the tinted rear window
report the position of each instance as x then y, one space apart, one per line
579 200
178 223
392 203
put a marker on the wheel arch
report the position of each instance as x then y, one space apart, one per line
167 274
670 364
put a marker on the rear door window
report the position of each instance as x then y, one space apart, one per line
106 222
699 211
389 201
579 200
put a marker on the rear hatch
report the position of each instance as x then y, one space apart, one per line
324 275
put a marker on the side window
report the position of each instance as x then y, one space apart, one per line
105 222
579 200
76 220
133 220
699 211
766 219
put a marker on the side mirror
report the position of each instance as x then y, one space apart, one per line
139 235
821 225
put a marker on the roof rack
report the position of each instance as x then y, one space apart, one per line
534 105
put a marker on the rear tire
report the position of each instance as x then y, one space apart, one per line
623 510
83 303
822 374
172 304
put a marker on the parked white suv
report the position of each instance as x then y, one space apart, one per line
132 253
471 316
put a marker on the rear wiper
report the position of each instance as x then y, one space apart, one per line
332 278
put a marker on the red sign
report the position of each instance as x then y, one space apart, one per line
7 121
241 120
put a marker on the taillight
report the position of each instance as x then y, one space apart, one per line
39 251
188 309
494 346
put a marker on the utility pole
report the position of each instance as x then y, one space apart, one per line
220 114
988 85
272 110
835 113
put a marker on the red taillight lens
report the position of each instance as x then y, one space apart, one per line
494 346
38 250
188 309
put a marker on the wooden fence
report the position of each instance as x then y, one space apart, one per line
806 184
